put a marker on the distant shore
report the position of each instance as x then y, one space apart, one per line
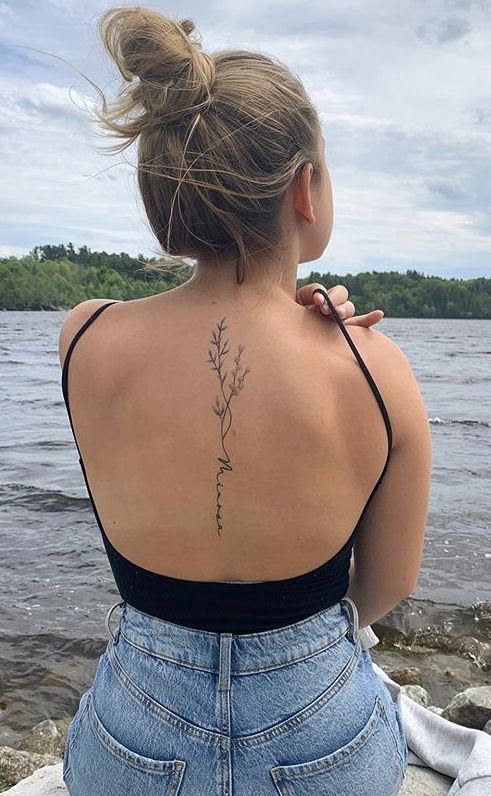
56 277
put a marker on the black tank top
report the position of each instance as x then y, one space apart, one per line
227 606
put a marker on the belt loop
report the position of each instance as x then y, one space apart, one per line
225 661
108 617
353 618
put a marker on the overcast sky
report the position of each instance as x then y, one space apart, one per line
404 93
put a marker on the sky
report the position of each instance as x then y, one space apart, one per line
403 90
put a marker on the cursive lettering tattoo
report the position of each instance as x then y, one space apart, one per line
222 402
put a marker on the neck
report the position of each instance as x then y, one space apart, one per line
264 279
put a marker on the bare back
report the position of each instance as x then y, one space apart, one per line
222 442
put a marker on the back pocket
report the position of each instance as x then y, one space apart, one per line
98 765
369 764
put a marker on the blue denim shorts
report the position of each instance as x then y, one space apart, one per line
294 711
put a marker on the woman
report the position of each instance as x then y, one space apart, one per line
239 449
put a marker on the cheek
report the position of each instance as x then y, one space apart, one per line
327 215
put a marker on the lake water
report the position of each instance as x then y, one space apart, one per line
56 583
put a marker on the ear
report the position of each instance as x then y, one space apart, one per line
302 193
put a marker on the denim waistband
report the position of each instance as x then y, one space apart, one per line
247 651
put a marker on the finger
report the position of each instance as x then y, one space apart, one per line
337 294
369 319
304 294
345 310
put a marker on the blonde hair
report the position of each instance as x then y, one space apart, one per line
220 137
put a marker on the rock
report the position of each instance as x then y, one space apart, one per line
435 709
421 781
46 781
407 675
46 737
16 764
417 694
471 708
62 726
487 727
41 738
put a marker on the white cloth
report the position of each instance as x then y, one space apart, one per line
461 753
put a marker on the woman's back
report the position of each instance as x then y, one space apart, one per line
202 475
294 709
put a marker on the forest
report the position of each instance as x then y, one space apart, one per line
59 277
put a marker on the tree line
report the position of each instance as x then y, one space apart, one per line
59 277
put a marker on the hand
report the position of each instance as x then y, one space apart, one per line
339 297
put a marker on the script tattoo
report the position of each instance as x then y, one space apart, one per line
222 402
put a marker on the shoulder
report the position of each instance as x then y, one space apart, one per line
394 375
379 345
75 319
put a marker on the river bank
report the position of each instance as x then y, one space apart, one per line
44 745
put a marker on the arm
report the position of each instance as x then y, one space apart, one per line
389 546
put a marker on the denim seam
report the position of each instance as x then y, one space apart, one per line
80 718
396 745
164 657
279 773
66 771
131 758
156 708
260 635
167 621
215 736
305 713
292 661
71 738
281 665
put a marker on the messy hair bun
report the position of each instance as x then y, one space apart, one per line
175 77
220 137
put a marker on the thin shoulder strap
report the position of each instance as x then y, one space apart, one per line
64 375
365 370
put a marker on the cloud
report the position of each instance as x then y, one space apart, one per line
44 99
401 93
6 15
449 189
443 30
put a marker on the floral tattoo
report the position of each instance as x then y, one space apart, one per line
222 401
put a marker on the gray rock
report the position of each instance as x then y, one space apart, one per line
417 694
62 726
407 675
16 764
487 727
435 709
471 708
41 739
48 781
421 781
46 737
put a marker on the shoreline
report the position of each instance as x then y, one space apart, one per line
44 744
443 655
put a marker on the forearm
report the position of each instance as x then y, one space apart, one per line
371 600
